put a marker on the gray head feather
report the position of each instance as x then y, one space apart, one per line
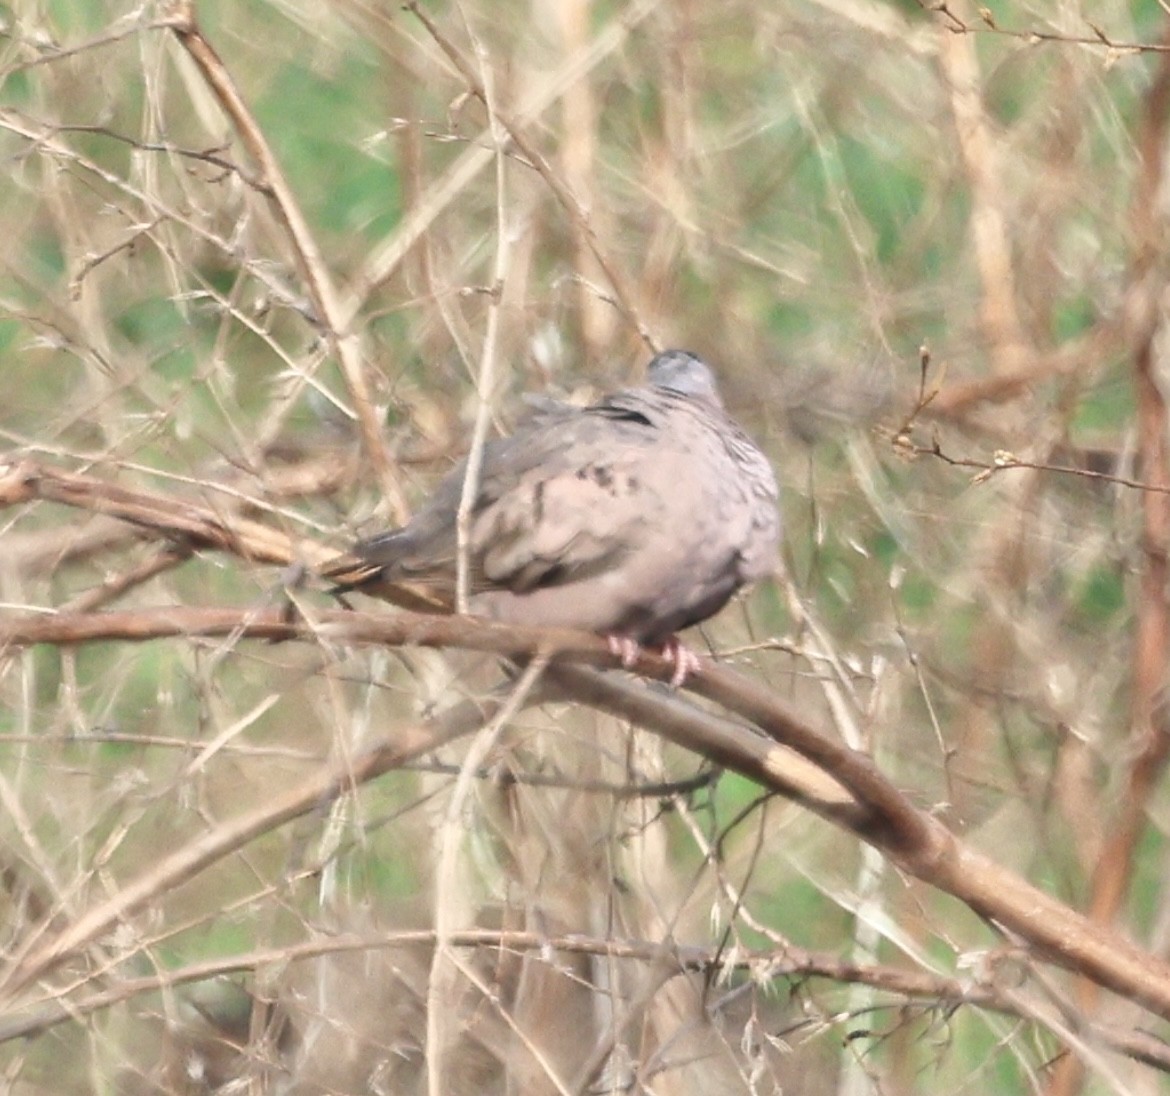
685 373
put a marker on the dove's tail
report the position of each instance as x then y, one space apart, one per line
372 566
366 562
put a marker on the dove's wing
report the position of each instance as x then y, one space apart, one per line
641 514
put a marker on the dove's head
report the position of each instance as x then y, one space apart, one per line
684 372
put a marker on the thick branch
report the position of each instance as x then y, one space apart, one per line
850 791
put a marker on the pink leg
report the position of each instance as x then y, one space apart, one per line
625 648
686 662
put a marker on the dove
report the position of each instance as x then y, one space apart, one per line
632 518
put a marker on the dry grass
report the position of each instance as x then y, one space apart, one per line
269 267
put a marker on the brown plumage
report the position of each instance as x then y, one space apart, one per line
634 517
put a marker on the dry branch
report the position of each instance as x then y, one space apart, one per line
579 217
1150 726
753 252
441 193
877 812
36 959
791 962
188 523
310 261
762 964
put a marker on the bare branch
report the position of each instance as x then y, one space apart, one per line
872 808
310 261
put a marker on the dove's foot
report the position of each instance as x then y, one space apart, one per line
625 648
686 662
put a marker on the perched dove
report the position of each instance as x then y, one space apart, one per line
631 518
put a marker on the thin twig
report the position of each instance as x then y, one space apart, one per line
865 802
989 25
444 191
1003 333
1149 722
565 198
439 1020
310 262
1004 461
34 960
485 381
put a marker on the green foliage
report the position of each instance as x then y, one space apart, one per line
1107 407
321 128
1102 595
888 194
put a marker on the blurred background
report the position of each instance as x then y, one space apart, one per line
905 234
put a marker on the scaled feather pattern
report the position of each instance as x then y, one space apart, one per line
634 517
